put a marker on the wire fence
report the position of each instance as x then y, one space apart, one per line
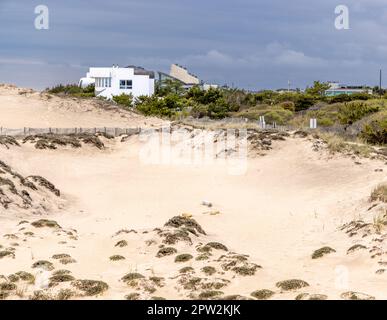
115 132
263 125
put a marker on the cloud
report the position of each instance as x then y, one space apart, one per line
253 44
16 61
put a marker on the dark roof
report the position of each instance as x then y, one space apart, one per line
140 71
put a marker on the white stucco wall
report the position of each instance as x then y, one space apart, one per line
142 85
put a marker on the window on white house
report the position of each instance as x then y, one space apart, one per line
103 82
126 84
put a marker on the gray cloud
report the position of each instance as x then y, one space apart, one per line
253 44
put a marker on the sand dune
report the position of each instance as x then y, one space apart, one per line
289 203
90 216
21 108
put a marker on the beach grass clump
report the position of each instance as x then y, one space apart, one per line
121 243
172 238
90 287
206 295
380 193
13 278
59 278
4 295
179 221
322 252
246 270
191 283
117 257
158 281
263 294
235 297
43 264
351 295
40 295
133 296
7 286
187 270
7 253
307 296
202 257
183 258
216 246
61 272
67 260
208 270
65 294
356 247
61 256
132 276
42 223
26 276
167 251
293 284
43 182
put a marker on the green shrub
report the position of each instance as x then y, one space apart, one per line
325 122
272 114
375 131
353 111
361 96
199 111
340 98
166 106
124 100
288 105
304 102
279 116
73 90
218 109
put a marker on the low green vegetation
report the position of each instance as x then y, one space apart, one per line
124 100
73 90
362 115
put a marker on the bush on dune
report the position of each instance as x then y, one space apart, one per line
124 100
73 90
272 114
353 111
375 130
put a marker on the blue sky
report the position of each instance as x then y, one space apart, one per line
254 44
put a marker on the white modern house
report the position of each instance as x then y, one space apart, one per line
115 81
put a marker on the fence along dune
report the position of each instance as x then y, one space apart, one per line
64 131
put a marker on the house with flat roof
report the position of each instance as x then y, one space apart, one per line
338 89
115 81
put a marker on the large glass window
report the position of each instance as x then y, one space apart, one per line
103 82
126 84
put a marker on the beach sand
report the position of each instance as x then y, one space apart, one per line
288 203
